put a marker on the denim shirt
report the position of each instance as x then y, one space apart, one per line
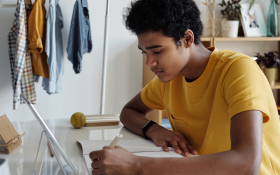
54 48
79 41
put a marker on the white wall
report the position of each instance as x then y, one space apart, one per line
82 92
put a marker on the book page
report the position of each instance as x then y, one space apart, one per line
134 146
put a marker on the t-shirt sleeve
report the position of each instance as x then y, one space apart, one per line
245 88
152 94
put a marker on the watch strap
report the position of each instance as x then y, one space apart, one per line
146 127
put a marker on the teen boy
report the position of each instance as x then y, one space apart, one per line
219 103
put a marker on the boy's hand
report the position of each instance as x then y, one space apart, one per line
164 138
113 161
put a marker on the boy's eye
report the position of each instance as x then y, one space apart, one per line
157 52
143 52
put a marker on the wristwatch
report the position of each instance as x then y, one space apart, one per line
146 126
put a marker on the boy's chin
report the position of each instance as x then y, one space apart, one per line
164 79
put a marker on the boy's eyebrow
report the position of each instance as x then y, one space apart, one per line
150 47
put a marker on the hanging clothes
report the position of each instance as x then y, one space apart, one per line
79 41
37 39
54 48
20 60
28 9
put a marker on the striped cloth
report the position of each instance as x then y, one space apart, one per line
20 60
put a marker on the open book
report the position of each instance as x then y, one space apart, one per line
140 147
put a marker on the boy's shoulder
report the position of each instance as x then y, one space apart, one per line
230 56
226 58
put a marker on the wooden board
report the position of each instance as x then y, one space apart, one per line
7 131
9 137
12 147
2 141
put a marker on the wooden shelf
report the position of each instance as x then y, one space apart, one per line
242 39
205 38
276 86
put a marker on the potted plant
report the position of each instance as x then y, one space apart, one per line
269 64
231 12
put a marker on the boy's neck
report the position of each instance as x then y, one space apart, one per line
198 60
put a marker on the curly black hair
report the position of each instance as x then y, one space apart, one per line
171 17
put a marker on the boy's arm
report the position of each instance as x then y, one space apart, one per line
244 157
134 117
134 114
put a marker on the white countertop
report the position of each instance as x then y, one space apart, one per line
21 160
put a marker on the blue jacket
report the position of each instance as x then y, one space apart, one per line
79 41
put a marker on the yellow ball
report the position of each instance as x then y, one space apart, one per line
78 120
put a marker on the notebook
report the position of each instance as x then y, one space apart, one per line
139 147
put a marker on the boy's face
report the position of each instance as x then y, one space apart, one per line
163 56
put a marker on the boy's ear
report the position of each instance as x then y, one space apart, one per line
188 38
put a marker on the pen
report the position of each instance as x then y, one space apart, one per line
115 141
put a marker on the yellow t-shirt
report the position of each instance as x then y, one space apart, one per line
201 110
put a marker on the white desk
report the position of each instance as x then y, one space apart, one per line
21 160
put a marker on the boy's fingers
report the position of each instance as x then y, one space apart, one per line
184 148
105 147
164 147
176 147
96 164
190 148
95 155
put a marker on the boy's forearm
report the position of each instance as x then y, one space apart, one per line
229 162
133 120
